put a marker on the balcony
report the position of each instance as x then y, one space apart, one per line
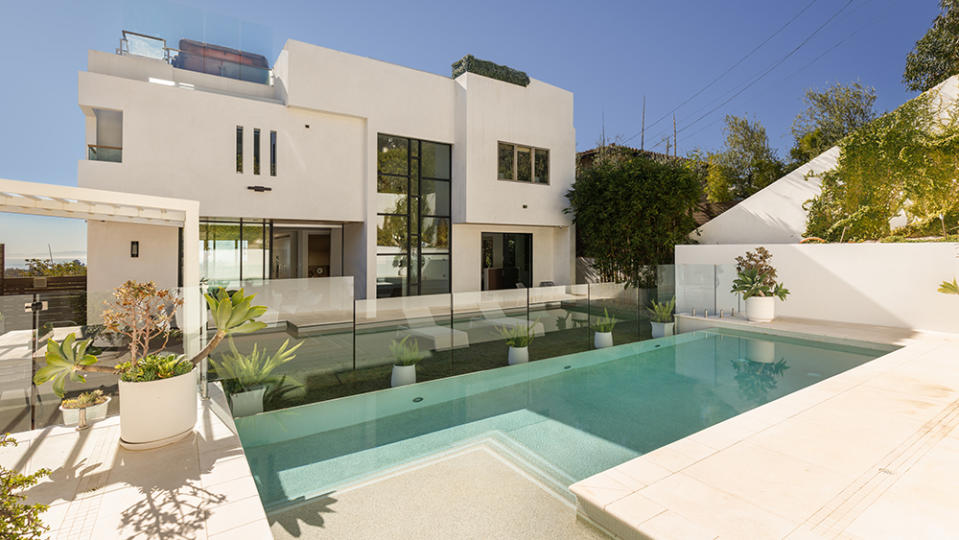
99 152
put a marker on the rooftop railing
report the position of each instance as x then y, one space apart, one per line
99 152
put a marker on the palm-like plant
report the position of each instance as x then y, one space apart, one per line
405 352
605 324
662 312
243 372
949 287
517 336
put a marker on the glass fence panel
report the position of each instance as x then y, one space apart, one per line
726 300
486 320
695 288
615 308
559 317
16 351
261 371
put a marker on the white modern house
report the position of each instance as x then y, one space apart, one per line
328 164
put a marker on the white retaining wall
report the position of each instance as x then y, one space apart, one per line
878 284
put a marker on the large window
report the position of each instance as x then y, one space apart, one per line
272 153
231 250
522 163
413 217
256 151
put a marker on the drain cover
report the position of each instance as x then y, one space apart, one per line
417 399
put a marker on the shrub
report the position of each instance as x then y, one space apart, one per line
18 520
471 64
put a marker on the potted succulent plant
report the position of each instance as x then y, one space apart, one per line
157 391
406 354
247 378
949 287
603 328
661 317
756 282
518 337
84 408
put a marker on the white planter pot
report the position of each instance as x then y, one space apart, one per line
403 375
761 308
761 351
601 340
518 355
662 329
159 412
94 412
248 403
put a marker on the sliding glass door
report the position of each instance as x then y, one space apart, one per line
507 261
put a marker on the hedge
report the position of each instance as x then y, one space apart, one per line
488 69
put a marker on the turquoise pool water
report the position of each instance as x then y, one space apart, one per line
565 418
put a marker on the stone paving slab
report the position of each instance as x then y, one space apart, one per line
200 487
872 452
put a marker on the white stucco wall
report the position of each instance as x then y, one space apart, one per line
878 284
109 263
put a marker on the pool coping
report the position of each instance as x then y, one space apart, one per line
674 490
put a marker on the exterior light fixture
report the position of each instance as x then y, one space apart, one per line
134 249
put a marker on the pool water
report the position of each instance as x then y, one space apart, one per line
564 418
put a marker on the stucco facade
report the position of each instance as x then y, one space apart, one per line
326 110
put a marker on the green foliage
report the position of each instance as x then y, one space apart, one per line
746 165
64 361
949 287
234 314
84 400
830 115
630 213
756 276
470 63
902 162
19 521
44 267
405 352
243 372
935 56
154 367
517 336
605 323
662 312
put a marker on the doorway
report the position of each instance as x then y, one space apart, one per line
507 261
300 252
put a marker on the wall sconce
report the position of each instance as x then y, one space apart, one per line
134 248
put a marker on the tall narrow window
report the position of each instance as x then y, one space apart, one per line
256 151
272 153
239 149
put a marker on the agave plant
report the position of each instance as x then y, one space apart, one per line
244 372
662 312
948 287
517 336
605 323
405 352
142 312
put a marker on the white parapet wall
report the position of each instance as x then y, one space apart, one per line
873 283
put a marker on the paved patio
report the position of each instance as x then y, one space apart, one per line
872 452
197 488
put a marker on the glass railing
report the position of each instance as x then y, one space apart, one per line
705 289
99 152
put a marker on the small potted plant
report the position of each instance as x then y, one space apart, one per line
406 354
949 287
603 336
661 317
157 391
248 377
756 282
84 408
518 337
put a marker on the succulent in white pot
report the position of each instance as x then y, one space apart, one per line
603 330
756 282
406 354
518 338
86 407
158 391
661 317
248 378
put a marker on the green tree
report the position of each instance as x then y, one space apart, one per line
745 165
44 267
936 55
19 520
631 213
830 115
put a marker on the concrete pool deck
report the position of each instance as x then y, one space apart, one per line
871 452
200 487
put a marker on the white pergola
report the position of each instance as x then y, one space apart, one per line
82 203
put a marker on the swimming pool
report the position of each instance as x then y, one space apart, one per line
562 419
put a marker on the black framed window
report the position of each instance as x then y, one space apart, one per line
272 153
520 163
413 229
239 149
256 151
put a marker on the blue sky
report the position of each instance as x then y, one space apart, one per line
610 54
